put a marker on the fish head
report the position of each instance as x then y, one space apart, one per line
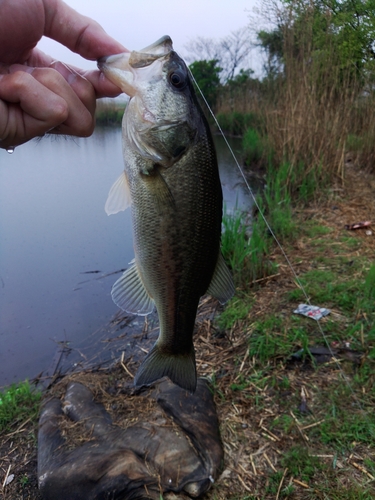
161 118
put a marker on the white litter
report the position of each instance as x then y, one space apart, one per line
313 312
9 479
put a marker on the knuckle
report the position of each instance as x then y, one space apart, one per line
85 126
60 111
19 80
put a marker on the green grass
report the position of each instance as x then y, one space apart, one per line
252 145
246 248
237 123
18 402
238 309
369 289
345 411
235 241
301 463
278 201
274 338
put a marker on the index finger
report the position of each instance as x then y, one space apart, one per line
77 32
103 87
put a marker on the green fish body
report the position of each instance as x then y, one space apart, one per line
171 181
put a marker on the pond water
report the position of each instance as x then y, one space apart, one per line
60 253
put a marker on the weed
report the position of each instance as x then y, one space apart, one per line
259 265
252 144
238 309
278 201
311 229
344 428
246 255
24 480
235 241
16 403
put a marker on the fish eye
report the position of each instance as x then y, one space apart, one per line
177 79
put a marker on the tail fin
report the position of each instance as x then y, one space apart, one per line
179 368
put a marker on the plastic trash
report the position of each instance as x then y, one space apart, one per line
313 312
358 225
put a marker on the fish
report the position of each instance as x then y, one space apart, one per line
171 182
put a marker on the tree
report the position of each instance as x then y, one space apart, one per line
322 32
272 42
206 74
230 52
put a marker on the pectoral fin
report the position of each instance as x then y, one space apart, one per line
221 286
119 196
129 293
159 188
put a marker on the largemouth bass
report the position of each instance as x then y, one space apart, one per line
171 181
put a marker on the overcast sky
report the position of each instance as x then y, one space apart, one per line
138 23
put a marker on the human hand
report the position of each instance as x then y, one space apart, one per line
38 94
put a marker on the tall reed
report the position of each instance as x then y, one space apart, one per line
314 113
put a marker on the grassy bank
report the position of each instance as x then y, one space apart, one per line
300 395
296 422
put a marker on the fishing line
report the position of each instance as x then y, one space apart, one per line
277 242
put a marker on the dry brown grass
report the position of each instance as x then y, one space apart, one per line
312 112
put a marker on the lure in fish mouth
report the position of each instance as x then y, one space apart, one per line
171 182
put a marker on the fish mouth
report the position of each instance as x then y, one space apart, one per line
119 68
146 56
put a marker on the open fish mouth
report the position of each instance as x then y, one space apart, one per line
120 67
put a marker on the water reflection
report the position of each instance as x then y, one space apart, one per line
54 234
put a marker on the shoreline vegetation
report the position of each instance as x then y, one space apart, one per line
295 411
109 112
295 398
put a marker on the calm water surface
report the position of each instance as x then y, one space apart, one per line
57 246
